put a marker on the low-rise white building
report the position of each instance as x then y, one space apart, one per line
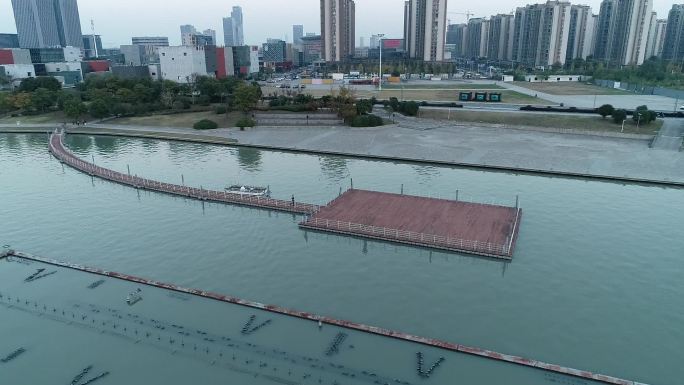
18 71
181 63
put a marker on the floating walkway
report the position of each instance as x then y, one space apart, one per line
465 227
505 358
57 148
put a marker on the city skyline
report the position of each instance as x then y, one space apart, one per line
259 28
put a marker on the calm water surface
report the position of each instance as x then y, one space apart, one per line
596 281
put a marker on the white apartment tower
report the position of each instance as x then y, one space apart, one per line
338 29
500 41
425 27
581 33
541 32
623 31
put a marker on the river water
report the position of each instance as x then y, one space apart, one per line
595 282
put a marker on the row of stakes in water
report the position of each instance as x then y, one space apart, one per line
335 345
340 337
248 329
421 362
79 377
13 355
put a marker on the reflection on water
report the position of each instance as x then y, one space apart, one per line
107 144
334 168
249 159
426 174
81 143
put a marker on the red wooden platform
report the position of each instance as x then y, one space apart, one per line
437 223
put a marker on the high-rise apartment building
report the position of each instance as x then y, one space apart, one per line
233 29
581 32
477 40
47 23
654 46
673 45
540 35
338 29
426 29
297 34
407 23
622 35
500 40
456 39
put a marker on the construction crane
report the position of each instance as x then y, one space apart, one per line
467 14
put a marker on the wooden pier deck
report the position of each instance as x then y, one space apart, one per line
57 148
473 228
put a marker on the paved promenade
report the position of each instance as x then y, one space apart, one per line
462 145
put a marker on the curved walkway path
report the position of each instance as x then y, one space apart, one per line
341 323
57 148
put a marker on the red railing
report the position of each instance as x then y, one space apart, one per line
479 247
58 150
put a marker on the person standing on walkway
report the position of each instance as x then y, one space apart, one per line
293 200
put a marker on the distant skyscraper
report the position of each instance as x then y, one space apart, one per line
47 23
541 33
297 33
581 32
212 34
426 24
656 37
673 46
238 26
338 29
622 35
500 42
477 40
456 38
233 30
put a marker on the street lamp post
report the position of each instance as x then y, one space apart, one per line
380 35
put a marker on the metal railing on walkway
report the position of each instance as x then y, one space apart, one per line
57 148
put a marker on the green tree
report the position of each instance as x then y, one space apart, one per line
246 97
74 108
99 109
42 99
619 116
643 115
605 110
21 100
47 82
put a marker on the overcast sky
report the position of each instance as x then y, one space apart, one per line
118 20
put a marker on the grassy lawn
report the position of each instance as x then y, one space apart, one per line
50 117
577 122
185 120
570 88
